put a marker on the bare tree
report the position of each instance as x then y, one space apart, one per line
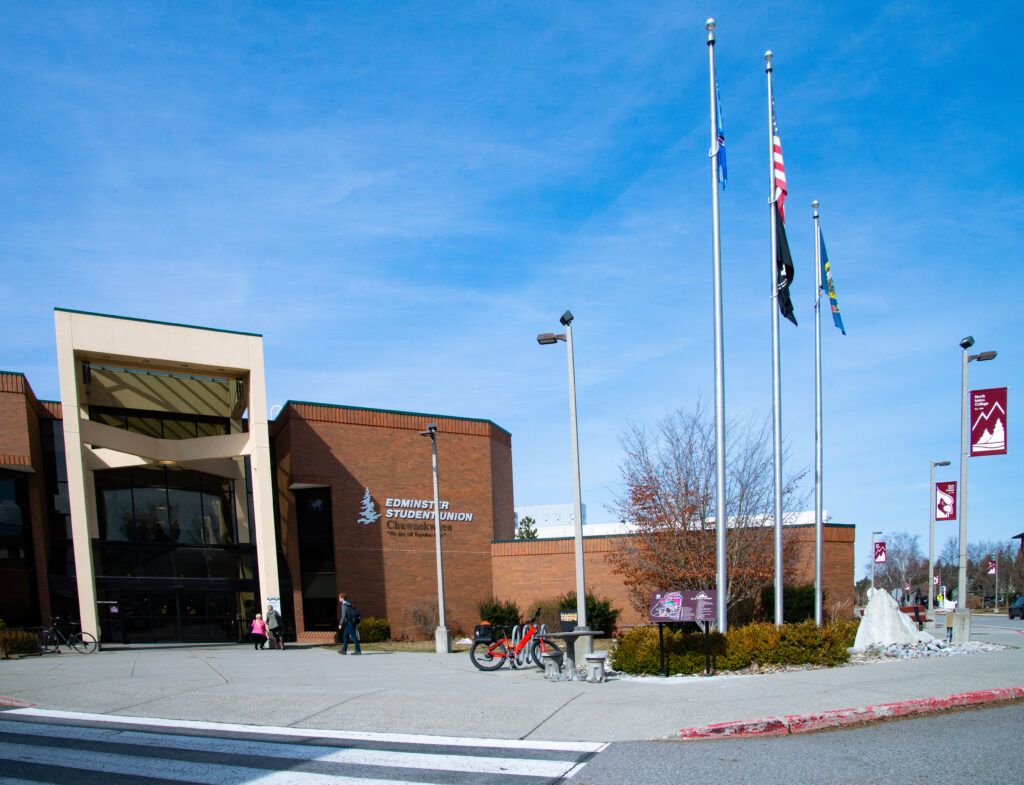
668 493
904 563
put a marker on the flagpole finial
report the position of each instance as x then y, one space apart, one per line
710 26
815 204
768 58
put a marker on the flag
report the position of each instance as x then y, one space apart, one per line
780 168
785 266
723 174
827 285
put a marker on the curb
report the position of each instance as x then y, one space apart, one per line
805 723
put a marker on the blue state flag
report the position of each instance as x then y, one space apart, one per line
723 173
827 285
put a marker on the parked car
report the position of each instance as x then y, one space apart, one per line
1017 609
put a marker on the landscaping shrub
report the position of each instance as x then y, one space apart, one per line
17 641
600 613
637 652
500 613
373 630
797 603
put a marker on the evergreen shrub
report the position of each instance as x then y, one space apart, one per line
17 641
637 652
500 613
373 630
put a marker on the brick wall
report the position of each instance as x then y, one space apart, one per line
388 567
530 571
21 446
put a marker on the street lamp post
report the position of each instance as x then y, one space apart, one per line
546 339
873 558
962 631
931 533
442 637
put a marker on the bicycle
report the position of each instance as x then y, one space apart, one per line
489 654
50 640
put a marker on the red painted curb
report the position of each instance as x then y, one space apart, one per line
804 723
15 702
766 726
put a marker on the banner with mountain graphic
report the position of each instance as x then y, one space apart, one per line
988 422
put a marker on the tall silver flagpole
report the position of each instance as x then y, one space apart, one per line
818 513
716 242
776 370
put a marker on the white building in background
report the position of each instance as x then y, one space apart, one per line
546 515
558 520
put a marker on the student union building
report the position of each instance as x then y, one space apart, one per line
155 502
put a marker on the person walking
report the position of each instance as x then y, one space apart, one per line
258 632
275 630
348 619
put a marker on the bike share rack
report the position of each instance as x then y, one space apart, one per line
522 658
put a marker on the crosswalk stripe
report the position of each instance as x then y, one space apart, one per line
182 771
58 747
320 733
321 754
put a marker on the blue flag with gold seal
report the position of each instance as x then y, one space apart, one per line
827 285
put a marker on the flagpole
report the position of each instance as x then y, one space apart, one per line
716 242
776 370
818 513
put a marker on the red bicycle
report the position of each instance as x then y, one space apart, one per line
489 652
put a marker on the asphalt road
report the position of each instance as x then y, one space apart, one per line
981 747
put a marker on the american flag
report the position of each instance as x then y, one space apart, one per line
780 168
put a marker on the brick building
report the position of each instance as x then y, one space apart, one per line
155 502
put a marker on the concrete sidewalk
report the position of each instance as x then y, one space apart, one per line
445 695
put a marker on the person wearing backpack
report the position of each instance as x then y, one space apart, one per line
348 623
275 630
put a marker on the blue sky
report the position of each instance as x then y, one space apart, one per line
400 196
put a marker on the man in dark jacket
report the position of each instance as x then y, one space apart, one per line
347 624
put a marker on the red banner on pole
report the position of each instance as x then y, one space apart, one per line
879 553
945 501
991 568
988 422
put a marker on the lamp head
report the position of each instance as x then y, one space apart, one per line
967 342
940 463
982 356
547 338
431 431
566 318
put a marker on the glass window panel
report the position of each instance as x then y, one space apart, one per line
245 564
150 504
223 563
112 419
13 511
316 555
153 562
190 562
217 428
114 561
147 426
179 429
186 508
218 511
114 506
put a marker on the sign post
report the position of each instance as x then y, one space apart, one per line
675 606
993 569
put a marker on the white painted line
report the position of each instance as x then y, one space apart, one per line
318 733
182 771
304 752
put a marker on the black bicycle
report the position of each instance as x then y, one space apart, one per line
50 640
